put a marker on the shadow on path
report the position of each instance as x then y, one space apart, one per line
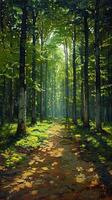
64 168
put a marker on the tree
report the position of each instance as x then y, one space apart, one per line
97 67
66 80
86 87
21 129
33 120
74 76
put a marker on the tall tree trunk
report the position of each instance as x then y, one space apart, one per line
11 98
3 101
1 15
82 82
109 71
97 67
11 83
86 87
74 77
41 76
21 129
46 88
33 120
66 81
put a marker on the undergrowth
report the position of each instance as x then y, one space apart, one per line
16 152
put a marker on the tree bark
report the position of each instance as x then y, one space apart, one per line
1 15
3 101
21 129
82 83
46 87
86 87
97 68
74 78
41 77
11 98
66 81
33 120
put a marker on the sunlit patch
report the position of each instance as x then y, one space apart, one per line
77 136
21 182
32 162
2 168
45 168
28 184
21 185
80 178
44 150
79 169
91 169
34 169
54 163
57 152
38 159
94 183
18 180
26 174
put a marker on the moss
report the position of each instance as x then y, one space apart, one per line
13 154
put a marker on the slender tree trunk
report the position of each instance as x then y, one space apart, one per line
97 67
86 87
11 98
3 101
33 120
66 81
74 77
109 70
11 83
21 129
52 95
46 87
1 15
41 77
82 83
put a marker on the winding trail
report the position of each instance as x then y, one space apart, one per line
55 171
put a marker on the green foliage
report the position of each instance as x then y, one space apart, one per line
28 142
12 157
99 144
17 152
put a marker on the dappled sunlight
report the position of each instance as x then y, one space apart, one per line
56 171
57 152
80 178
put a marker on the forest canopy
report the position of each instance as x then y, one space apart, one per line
56 99
55 61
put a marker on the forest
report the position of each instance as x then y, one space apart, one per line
55 99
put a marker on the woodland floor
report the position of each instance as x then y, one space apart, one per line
58 170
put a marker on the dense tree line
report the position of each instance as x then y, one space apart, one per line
55 61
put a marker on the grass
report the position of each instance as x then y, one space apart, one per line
15 151
98 144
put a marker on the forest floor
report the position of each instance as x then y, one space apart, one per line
65 168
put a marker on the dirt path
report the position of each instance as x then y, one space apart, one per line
54 172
